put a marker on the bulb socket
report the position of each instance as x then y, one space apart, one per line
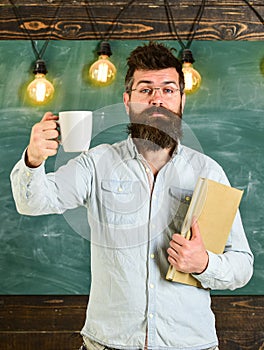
105 49
40 67
187 56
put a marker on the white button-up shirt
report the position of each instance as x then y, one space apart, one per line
131 225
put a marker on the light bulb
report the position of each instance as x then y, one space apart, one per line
103 72
192 78
262 66
40 90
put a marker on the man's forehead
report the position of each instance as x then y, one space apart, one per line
157 76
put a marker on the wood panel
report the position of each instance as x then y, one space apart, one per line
41 322
222 20
54 322
239 322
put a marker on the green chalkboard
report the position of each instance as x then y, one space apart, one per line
224 119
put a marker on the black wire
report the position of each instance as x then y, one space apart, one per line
115 22
255 11
194 26
171 23
113 25
38 53
91 17
52 27
21 24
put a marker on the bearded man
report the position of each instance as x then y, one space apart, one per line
137 193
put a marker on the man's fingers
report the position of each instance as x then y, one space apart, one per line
50 134
50 149
41 127
48 125
195 230
49 116
172 252
51 144
179 239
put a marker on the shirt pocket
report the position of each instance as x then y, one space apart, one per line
121 197
121 217
180 201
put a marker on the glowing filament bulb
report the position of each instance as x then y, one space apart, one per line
192 78
40 90
103 72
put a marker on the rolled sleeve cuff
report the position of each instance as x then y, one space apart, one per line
213 269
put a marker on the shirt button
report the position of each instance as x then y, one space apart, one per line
147 170
152 256
151 285
151 315
154 196
120 189
28 173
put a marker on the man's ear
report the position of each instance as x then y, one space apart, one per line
126 100
183 101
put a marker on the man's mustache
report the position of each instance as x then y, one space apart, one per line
159 110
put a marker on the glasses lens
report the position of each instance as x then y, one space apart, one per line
145 92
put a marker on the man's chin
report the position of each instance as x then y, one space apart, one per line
148 145
152 137
162 123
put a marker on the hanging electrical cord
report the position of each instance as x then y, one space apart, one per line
38 53
103 72
255 11
172 26
40 90
195 24
92 20
192 32
191 77
193 29
112 26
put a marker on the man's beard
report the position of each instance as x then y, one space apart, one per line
154 133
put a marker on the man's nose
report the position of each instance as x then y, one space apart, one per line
156 98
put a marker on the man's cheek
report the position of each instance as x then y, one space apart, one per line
137 107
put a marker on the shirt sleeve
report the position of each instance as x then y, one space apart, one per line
38 193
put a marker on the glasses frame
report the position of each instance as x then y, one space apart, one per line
154 89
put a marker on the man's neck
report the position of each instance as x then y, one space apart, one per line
156 159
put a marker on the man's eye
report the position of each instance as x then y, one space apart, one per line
146 91
168 91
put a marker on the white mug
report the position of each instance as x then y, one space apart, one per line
76 130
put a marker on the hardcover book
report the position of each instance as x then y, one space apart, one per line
214 206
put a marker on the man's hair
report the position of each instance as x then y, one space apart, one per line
152 56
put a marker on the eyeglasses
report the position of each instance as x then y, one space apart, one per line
166 92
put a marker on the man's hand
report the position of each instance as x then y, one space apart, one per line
43 140
188 256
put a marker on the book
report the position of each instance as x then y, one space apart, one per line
214 206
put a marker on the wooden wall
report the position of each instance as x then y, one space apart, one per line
54 322
139 19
